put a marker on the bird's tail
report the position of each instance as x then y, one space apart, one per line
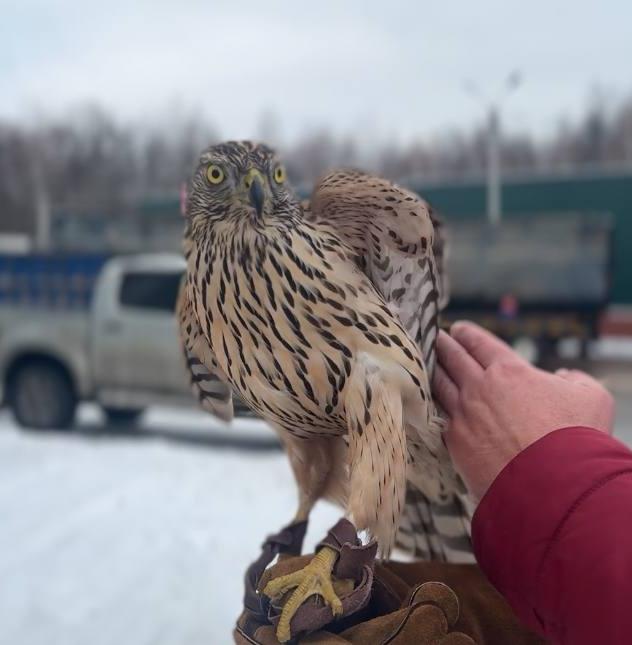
436 520
431 530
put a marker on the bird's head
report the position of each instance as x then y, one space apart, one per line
240 183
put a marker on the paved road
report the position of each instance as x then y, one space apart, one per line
623 424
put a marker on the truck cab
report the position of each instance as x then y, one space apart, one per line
135 354
122 351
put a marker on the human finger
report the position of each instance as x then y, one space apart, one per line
456 361
445 391
481 344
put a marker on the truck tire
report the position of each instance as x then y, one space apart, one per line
547 351
41 395
122 417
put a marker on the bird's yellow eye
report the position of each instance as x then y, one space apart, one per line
279 174
215 174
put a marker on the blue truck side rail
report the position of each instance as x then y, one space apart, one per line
50 280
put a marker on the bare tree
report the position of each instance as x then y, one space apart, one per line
90 163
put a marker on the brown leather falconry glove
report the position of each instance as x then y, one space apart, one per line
395 603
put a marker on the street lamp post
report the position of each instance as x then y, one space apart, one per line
494 160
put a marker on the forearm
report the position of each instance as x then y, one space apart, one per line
552 534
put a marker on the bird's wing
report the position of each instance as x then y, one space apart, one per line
401 247
208 382
440 251
399 242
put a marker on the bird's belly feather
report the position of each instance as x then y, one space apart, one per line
288 344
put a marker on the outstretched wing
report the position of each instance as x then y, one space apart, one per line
400 244
208 382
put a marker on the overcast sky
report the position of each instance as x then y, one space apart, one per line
393 68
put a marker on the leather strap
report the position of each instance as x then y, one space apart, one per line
355 561
288 541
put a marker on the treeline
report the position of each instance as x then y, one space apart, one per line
89 162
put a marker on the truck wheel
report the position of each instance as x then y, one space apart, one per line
122 417
41 395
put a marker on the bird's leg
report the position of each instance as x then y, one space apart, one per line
306 503
315 578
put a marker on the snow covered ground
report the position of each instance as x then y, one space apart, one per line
109 539
114 538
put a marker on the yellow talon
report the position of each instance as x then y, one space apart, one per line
315 578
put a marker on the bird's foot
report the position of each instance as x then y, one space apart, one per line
313 579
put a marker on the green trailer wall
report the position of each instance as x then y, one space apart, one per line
591 194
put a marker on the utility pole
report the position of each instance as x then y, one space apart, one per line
42 210
494 191
494 144
628 136
41 201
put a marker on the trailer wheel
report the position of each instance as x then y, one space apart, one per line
122 417
547 350
41 395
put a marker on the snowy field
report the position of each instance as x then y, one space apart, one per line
111 538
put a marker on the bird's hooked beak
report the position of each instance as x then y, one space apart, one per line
256 192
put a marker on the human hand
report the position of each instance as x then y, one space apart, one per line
498 404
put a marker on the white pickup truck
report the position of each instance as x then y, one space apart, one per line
123 352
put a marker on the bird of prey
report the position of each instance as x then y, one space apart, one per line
323 318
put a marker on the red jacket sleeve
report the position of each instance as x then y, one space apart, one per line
554 535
